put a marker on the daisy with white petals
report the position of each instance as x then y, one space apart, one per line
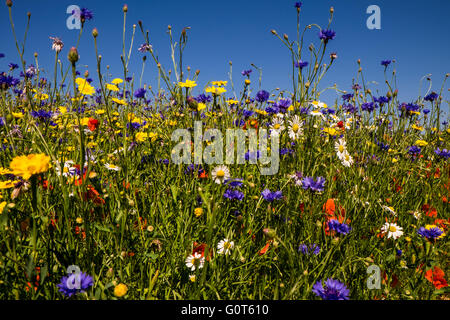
393 230
295 128
220 174
225 246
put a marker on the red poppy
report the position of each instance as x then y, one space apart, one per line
266 247
93 124
429 211
437 277
200 248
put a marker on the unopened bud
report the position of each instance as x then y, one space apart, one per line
95 32
35 55
86 74
273 31
285 36
331 10
73 55
125 8
197 72
9 3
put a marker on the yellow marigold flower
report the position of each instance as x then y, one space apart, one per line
232 101
421 143
7 184
215 90
141 136
198 212
5 171
291 108
17 115
62 109
120 290
70 148
261 112
40 96
79 220
417 127
153 136
122 102
112 87
117 81
187 84
414 112
201 106
247 81
85 121
2 206
394 160
26 166
100 111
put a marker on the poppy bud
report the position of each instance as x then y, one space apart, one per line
95 32
86 74
273 31
125 8
285 36
270 233
9 3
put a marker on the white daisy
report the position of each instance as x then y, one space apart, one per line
317 114
220 174
295 128
340 147
195 261
392 230
346 159
225 246
318 104
67 170
277 126
112 167
389 209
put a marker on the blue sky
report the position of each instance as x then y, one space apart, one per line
413 33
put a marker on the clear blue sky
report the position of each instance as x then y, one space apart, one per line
414 33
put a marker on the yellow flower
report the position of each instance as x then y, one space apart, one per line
201 106
261 112
120 290
141 136
4 171
232 101
7 184
421 143
247 81
17 114
117 81
122 102
63 110
26 166
40 96
100 111
219 83
187 84
84 87
198 212
112 87
417 127
153 136
215 90
330 131
2 206
414 112
79 220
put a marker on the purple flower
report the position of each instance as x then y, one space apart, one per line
431 97
310 183
298 5
301 64
414 150
13 66
444 153
385 62
233 195
310 248
326 35
356 87
341 228
234 183
334 290
271 196
431 233
75 283
262 96
140 93
283 104
246 72
426 111
203 98
381 100
144 48
368 106
2 55
347 97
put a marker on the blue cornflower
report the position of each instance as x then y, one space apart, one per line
42 114
234 183
411 107
444 153
382 99
247 113
309 183
356 87
431 97
13 66
347 97
262 96
334 290
426 111
301 64
430 232
284 151
304 110
233 195
349 108
341 228
85 14
368 106
203 98
75 283
144 47
140 93
414 150
385 62
310 248
271 196
246 72
283 104
298 5
2 55
326 35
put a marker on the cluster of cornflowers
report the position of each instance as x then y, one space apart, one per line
232 193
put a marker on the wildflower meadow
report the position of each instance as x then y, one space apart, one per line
113 188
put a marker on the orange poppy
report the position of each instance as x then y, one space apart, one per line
437 277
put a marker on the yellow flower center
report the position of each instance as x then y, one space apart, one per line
277 126
341 148
220 173
392 229
295 127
